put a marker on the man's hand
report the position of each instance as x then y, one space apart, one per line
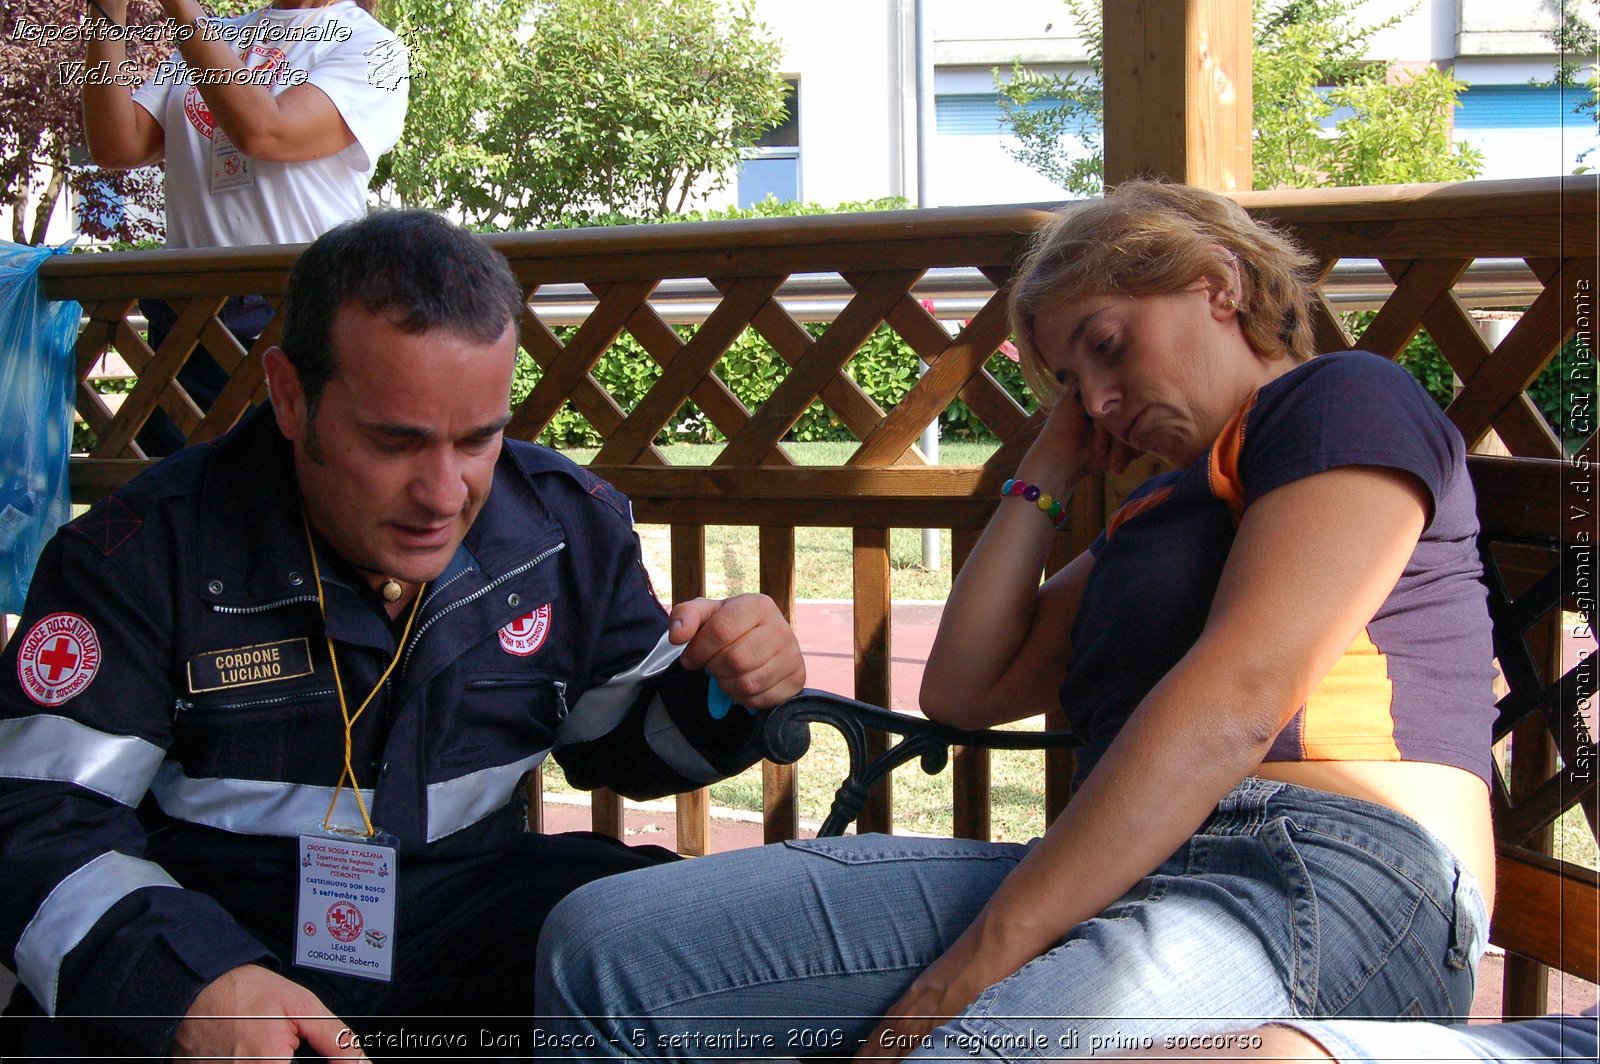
745 643
252 1012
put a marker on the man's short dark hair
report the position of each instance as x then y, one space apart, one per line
412 268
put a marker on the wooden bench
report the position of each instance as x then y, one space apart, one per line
1535 559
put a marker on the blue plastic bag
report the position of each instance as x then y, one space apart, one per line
37 377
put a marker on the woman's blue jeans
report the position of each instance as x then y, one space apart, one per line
1288 902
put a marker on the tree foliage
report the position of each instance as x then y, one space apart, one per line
1057 119
565 109
41 125
461 52
1578 67
1388 126
1323 115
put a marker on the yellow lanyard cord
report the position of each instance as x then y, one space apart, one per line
338 685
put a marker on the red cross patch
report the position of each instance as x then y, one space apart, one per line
58 658
526 634
198 113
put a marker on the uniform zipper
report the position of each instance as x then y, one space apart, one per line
185 704
405 663
262 609
433 592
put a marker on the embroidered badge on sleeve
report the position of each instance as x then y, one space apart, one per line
58 658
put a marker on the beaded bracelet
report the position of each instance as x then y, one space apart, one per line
1055 509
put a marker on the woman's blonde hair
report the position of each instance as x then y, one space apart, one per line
1152 237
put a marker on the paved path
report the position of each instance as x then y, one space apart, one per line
827 639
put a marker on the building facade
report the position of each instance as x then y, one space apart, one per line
897 97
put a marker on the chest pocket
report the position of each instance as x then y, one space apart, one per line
499 718
279 731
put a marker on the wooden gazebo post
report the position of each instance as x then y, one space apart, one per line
1177 91
1177 105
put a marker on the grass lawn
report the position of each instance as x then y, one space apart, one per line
1574 841
823 571
822 555
922 803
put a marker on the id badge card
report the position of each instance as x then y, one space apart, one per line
347 902
230 167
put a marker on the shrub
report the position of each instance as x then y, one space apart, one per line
1572 370
885 367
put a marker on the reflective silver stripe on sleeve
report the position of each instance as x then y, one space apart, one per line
251 807
454 804
602 708
670 745
71 911
60 750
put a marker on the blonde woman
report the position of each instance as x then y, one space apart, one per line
1278 658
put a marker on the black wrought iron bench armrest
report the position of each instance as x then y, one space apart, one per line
786 736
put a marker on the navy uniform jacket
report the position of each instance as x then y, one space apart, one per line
168 714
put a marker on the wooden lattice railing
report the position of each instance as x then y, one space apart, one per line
1425 237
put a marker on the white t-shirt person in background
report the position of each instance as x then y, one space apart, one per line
270 125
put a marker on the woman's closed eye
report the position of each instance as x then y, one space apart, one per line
1106 350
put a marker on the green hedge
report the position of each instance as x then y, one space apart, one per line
885 367
1570 373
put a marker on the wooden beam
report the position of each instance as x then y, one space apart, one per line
872 609
1177 91
605 812
1547 910
689 582
780 785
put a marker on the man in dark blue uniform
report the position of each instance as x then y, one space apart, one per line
265 723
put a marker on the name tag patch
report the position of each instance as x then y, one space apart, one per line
218 670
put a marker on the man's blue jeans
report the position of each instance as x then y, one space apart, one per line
1288 902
